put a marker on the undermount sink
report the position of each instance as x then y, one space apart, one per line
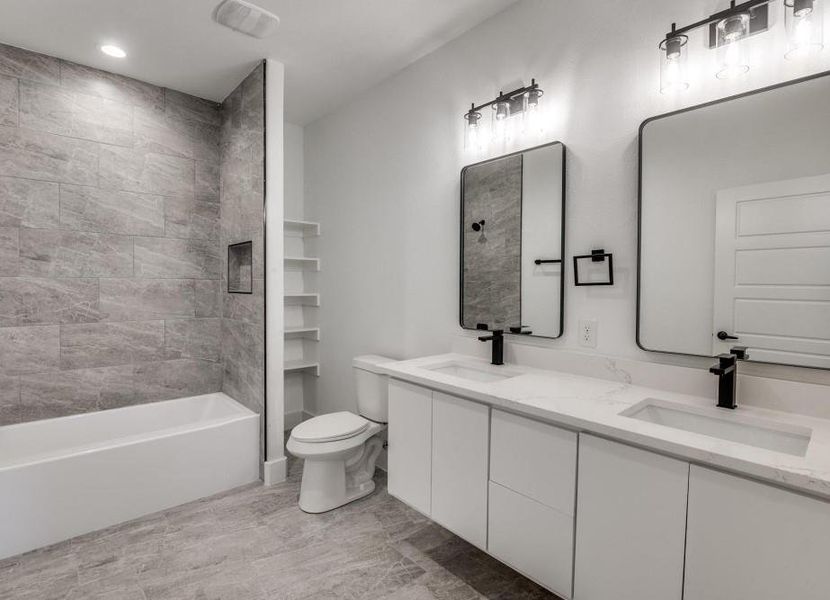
479 373
718 423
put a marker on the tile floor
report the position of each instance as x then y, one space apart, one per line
254 543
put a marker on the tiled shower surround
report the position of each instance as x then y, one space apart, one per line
242 196
110 255
492 257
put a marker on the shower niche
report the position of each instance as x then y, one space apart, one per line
240 268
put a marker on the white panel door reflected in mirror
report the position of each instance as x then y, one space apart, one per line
735 227
512 242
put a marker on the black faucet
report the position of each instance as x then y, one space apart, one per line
727 371
497 335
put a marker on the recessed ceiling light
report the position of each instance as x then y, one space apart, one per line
113 51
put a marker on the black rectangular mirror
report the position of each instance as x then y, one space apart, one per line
513 242
735 227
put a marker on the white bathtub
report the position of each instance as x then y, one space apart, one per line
64 477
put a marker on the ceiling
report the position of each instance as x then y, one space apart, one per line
332 49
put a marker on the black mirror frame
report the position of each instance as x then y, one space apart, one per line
562 235
640 199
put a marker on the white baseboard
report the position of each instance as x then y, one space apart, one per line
275 471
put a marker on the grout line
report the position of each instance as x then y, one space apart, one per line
18 102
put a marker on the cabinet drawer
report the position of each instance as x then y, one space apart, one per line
534 459
534 539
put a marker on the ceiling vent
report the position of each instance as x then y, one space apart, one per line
246 18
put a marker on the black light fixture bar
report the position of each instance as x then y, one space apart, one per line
734 9
509 96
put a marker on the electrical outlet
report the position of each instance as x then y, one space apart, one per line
588 333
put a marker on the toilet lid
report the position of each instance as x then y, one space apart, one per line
330 428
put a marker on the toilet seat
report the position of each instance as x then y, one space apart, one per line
330 428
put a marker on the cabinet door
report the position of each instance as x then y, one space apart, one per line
460 439
750 541
630 523
410 444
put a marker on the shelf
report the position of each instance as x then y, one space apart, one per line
299 366
301 228
302 299
306 333
302 263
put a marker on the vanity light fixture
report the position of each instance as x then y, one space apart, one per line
727 34
522 101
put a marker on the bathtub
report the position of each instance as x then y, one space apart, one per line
63 477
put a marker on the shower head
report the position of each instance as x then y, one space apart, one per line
478 226
246 18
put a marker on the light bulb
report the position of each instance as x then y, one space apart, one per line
803 31
673 75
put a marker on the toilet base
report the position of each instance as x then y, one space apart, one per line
330 484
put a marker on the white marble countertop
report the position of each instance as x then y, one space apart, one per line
593 406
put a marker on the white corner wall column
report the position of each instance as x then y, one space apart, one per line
275 464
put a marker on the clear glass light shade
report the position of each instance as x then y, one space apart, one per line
805 28
673 65
501 125
532 122
733 60
473 137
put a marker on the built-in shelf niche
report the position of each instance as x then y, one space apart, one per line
302 329
240 268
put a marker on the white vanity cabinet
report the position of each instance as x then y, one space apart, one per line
594 519
751 541
631 523
438 449
460 440
532 496
410 445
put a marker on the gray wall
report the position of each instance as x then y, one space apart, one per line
110 261
242 196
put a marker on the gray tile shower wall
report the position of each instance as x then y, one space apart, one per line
492 256
242 196
110 256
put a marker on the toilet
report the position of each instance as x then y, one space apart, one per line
340 449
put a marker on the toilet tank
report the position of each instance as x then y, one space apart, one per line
372 387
